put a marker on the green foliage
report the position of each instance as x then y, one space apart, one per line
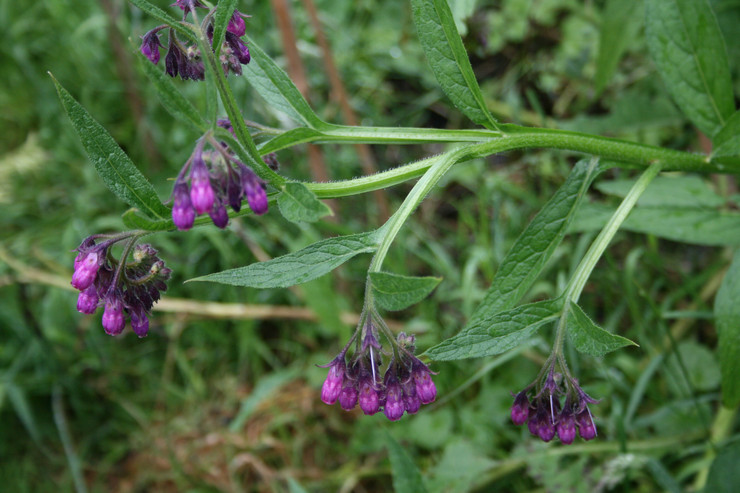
588 337
406 476
727 314
298 204
396 292
724 474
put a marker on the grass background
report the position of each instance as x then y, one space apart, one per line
224 393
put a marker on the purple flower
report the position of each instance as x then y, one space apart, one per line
333 384
394 405
566 427
368 396
139 323
348 396
183 214
87 301
113 321
188 5
425 388
238 47
201 191
86 269
150 45
520 409
174 58
411 401
218 214
586 426
254 190
237 25
234 192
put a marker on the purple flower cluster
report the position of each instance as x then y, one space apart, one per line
544 416
186 59
209 181
124 288
406 385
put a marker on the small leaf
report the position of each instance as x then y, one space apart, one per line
274 85
727 140
675 191
224 11
588 337
449 60
522 264
298 267
406 476
174 102
395 292
619 24
112 164
724 475
687 45
299 204
164 18
727 316
133 219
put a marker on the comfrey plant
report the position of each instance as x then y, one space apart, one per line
235 160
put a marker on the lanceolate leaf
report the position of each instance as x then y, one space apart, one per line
449 60
298 267
588 337
299 204
224 11
174 102
727 316
406 476
522 265
133 219
273 84
112 164
163 17
687 45
727 140
395 292
618 26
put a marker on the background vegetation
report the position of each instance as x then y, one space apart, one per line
223 394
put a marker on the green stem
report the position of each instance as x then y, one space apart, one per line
594 253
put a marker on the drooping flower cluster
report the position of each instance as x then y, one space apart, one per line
126 287
544 415
209 181
406 385
186 59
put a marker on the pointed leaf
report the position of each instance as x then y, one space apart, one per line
724 475
687 45
224 12
619 24
299 204
689 191
112 164
163 17
274 85
727 140
395 292
588 337
133 219
523 263
727 316
406 476
449 60
298 267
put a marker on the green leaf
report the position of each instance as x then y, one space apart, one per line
395 292
727 140
274 85
724 475
619 24
522 264
727 317
449 60
224 12
687 225
406 476
174 102
163 17
298 267
687 45
299 204
133 219
498 332
112 164
588 337
668 191
288 139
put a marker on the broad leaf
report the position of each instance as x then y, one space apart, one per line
727 140
298 267
299 204
522 264
406 476
174 102
395 292
163 17
273 84
727 317
619 24
449 60
724 475
112 164
687 45
588 337
224 12
498 333
668 191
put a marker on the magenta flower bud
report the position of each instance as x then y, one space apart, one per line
113 321
140 323
237 25
533 424
238 47
188 5
520 409
546 430
201 192
394 405
348 396
368 397
87 301
425 388
586 426
566 427
218 214
411 401
86 269
174 59
234 193
333 384
254 190
183 214
150 45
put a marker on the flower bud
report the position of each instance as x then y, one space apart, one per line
113 321
520 409
586 426
348 396
201 191
333 384
368 397
150 46
86 269
394 405
425 388
183 214
87 301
